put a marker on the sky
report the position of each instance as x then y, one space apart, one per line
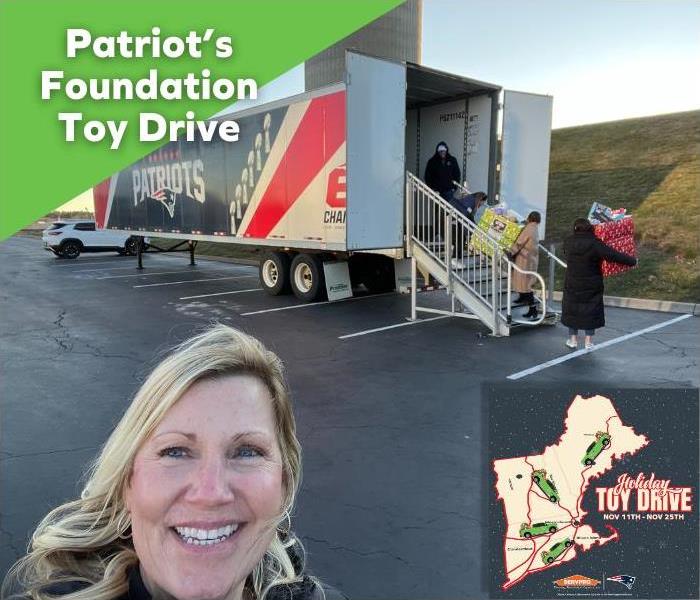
601 60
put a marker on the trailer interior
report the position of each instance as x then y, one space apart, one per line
459 111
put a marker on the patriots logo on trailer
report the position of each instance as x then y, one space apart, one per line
626 580
167 198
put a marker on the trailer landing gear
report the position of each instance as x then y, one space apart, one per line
142 246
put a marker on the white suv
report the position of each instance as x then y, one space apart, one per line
69 238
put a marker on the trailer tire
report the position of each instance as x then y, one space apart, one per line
306 277
274 273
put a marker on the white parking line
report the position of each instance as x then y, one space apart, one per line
220 294
141 274
132 267
105 261
577 353
309 304
6 254
193 281
368 331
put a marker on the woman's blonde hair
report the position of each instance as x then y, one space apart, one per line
88 539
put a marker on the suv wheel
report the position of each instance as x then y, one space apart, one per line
70 249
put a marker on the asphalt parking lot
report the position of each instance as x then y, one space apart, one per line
388 417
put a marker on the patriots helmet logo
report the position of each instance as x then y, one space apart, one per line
626 580
167 198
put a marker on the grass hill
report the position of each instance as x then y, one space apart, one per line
651 167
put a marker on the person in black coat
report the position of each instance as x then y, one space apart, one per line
441 171
191 494
582 304
305 589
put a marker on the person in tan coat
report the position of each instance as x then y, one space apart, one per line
525 254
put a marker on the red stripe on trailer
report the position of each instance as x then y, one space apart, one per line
100 197
318 136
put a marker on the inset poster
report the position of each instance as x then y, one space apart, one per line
593 492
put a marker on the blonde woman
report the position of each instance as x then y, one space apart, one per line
191 495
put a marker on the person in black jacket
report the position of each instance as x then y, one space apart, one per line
441 171
306 588
191 494
582 303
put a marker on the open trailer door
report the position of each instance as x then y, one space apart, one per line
376 125
527 125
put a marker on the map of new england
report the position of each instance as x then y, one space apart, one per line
542 494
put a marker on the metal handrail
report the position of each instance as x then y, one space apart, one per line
435 197
432 222
458 216
541 300
462 188
552 255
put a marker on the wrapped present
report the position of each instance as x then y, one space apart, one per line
612 230
498 227
619 235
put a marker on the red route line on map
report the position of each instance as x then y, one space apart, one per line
534 551
540 496
559 504
529 508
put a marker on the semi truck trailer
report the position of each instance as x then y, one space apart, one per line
320 178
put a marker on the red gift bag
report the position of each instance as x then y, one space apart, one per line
619 235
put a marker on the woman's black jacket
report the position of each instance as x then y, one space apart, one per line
582 304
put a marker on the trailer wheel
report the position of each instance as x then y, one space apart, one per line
307 280
274 273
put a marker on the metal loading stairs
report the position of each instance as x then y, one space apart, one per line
470 264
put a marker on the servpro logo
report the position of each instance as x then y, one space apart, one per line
577 581
336 196
165 181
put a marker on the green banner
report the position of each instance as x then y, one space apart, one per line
136 40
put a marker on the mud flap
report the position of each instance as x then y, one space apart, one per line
338 284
